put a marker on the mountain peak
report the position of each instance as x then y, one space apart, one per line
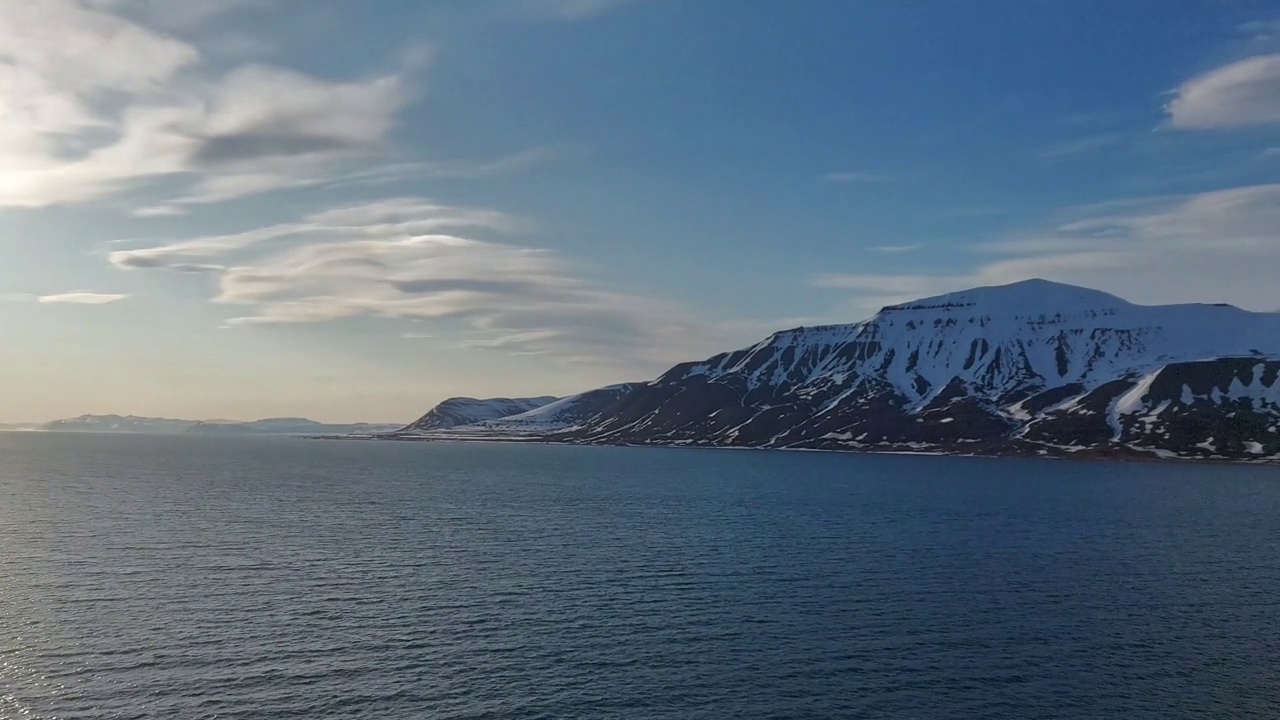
1026 297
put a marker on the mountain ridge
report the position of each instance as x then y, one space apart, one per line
1030 368
459 411
136 424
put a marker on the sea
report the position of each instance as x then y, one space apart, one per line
195 577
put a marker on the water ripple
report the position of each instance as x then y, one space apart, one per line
224 578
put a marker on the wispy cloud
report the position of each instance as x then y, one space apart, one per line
409 259
894 249
159 211
860 177
506 165
1217 246
1260 30
1236 95
99 101
571 10
81 298
218 189
395 217
175 16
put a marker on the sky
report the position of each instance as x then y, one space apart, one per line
351 210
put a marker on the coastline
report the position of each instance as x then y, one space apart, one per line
1125 455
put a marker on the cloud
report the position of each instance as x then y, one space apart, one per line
499 167
210 23
395 217
159 211
1219 246
571 10
256 178
857 177
173 16
266 128
96 102
70 298
1236 95
894 249
100 98
260 112
60 62
1260 30
81 298
65 48
1271 152
409 259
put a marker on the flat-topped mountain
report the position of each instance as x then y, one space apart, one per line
1032 368
168 426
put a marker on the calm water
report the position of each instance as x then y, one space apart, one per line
201 578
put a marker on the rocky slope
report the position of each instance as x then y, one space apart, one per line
1033 368
460 411
567 414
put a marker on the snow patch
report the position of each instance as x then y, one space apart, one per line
1135 399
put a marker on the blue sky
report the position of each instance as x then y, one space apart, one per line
350 210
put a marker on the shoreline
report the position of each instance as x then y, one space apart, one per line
1128 455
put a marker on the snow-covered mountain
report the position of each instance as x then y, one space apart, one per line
119 424
1030 368
564 415
289 426
460 411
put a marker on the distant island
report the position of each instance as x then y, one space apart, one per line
1034 368
166 426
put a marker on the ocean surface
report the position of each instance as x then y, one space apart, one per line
153 577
